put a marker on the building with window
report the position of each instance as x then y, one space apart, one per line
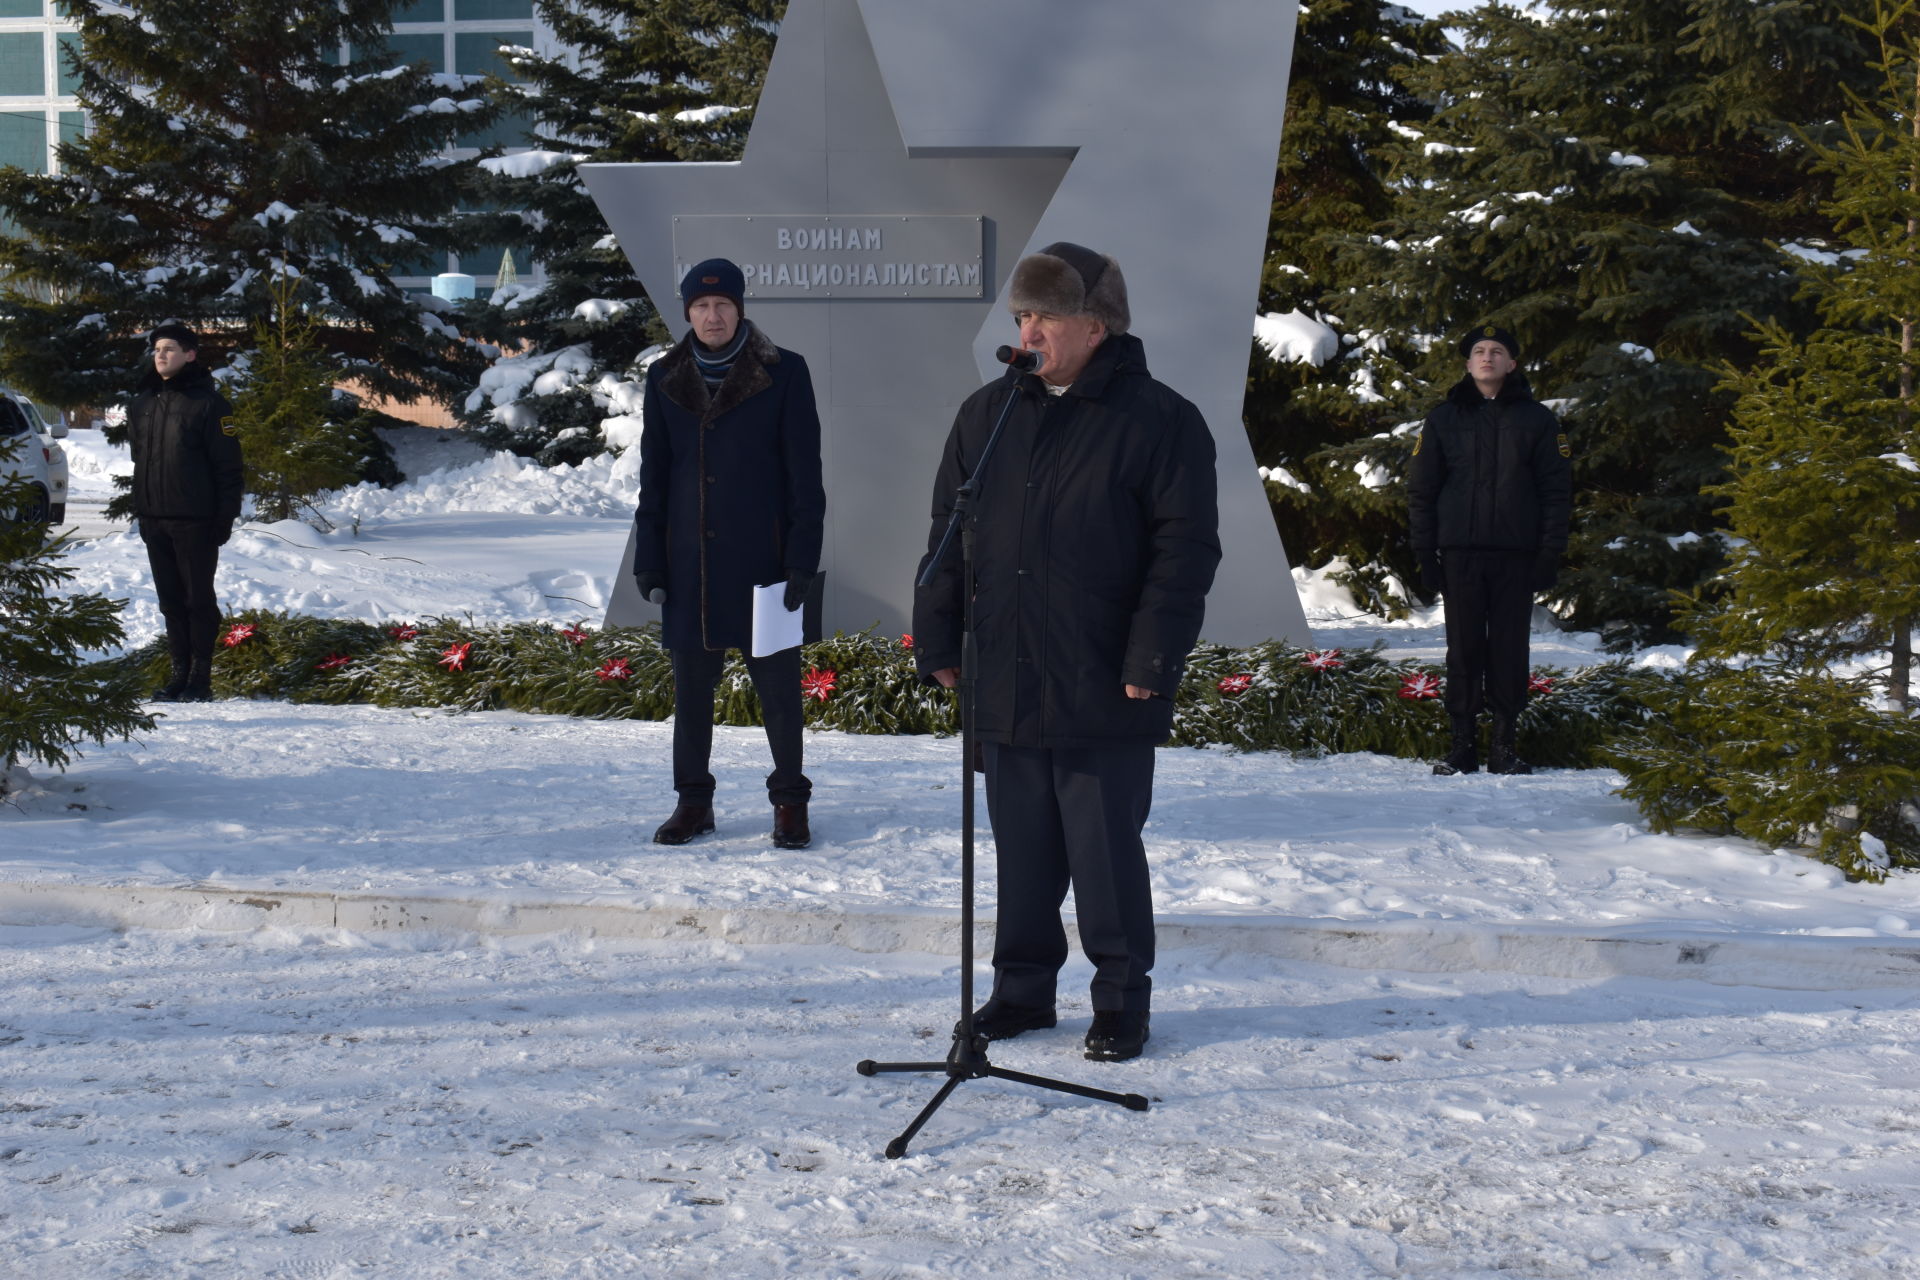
37 107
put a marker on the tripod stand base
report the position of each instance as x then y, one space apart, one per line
968 1061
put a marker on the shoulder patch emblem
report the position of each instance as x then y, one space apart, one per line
229 428
1566 450
1416 443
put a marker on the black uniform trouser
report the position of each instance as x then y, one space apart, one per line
1489 599
1072 815
776 679
183 555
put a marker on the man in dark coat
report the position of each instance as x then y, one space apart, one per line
730 499
1489 498
187 485
1096 539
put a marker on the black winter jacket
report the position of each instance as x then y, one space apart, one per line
731 496
185 464
1490 475
1097 536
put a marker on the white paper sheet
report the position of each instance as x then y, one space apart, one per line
775 627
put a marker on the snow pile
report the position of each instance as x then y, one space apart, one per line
1295 336
606 486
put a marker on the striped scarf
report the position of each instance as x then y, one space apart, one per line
715 364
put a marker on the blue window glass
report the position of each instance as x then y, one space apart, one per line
20 8
421 11
477 53
65 60
23 66
23 140
492 10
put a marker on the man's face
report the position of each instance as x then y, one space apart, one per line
1489 363
1068 342
715 319
169 357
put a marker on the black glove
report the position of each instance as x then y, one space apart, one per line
224 531
798 583
653 587
1432 577
1546 570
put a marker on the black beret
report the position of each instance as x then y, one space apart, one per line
1493 333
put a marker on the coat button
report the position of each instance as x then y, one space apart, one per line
710 479
709 533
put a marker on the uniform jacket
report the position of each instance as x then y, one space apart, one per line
1096 539
185 465
1490 475
730 489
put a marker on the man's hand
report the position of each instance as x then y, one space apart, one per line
947 677
1135 691
1546 571
797 584
1432 576
225 532
653 587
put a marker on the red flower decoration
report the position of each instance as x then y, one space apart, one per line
1539 683
1327 661
577 636
818 684
1420 685
238 634
1235 685
613 669
454 656
332 662
906 641
403 632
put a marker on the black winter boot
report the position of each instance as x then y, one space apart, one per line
1464 755
176 685
1503 758
199 682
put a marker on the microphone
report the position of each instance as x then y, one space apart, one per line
1020 361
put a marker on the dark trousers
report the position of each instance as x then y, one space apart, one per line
776 679
1072 815
183 555
1489 611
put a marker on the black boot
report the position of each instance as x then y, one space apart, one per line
1503 758
790 826
199 682
1464 755
999 1020
1116 1035
175 686
688 821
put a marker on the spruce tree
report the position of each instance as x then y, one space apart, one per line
229 145
51 700
648 80
1612 180
297 434
1780 731
1345 97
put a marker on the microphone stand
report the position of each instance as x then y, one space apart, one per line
967 1060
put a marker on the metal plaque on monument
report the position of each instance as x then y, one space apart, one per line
904 155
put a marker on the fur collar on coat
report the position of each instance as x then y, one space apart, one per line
680 375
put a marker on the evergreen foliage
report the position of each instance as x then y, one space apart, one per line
1611 180
227 147
287 417
650 80
1778 731
51 698
1273 697
1345 97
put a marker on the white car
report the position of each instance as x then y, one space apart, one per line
38 457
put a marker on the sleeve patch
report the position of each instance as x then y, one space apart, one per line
1566 450
230 428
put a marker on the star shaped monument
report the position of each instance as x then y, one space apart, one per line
878 266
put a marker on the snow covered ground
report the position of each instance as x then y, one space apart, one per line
275 1101
320 1106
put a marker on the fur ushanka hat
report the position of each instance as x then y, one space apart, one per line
1067 279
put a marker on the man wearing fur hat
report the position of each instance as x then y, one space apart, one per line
730 499
187 485
1489 499
1095 543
